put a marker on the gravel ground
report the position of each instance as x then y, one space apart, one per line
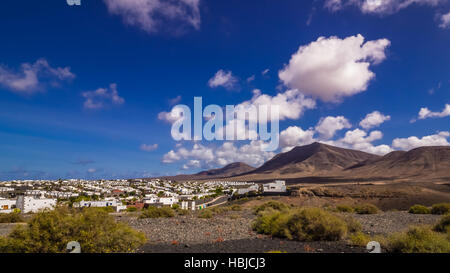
223 233
394 221
191 229
254 245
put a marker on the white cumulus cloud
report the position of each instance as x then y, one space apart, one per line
209 157
328 126
439 139
359 140
295 136
425 113
291 103
333 68
373 119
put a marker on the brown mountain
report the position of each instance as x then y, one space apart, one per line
325 163
313 159
229 170
433 162
232 169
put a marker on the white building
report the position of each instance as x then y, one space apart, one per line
7 205
96 204
28 204
279 186
165 201
101 204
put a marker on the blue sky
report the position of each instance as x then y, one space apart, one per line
81 87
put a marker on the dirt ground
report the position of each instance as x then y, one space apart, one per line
386 196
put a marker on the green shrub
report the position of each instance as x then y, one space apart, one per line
182 211
443 225
359 239
175 206
154 212
344 208
11 218
308 224
419 240
314 224
419 209
272 222
271 204
352 224
104 209
442 208
50 231
131 209
366 209
206 214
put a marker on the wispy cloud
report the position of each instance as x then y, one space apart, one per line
175 100
224 79
155 15
31 78
102 97
149 147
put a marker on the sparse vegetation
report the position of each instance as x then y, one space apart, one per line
50 231
352 224
359 239
419 240
419 209
271 204
11 218
366 209
443 225
182 211
205 214
304 224
442 208
104 209
236 208
154 212
344 208
131 209
275 251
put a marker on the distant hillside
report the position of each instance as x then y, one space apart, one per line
319 162
420 162
316 158
230 170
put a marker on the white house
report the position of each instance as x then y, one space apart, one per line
165 201
7 205
279 186
96 204
101 204
28 204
